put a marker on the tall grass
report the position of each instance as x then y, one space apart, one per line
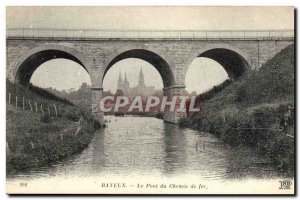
255 111
35 139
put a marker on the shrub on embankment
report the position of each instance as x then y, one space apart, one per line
35 138
256 111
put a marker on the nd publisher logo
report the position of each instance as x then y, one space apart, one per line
285 185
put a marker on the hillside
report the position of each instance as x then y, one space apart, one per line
81 97
256 111
41 128
272 83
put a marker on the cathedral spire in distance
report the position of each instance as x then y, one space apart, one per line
120 82
141 82
139 90
126 83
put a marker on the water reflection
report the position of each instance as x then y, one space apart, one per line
193 153
174 148
149 147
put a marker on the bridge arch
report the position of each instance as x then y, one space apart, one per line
25 66
232 59
161 65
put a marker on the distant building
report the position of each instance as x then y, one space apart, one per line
140 90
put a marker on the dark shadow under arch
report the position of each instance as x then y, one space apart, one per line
30 64
234 64
158 62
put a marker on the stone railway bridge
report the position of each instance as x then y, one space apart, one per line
170 52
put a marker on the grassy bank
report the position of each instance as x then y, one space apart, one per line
34 138
256 111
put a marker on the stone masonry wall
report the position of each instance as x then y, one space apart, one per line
179 54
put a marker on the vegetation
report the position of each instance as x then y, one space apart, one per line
158 115
36 138
256 111
81 97
216 89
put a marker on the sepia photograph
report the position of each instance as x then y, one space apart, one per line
150 100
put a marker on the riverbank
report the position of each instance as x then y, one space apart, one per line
256 111
158 115
168 151
35 137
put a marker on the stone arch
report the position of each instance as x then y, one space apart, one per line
161 65
234 60
32 59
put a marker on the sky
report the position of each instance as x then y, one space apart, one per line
132 67
61 74
202 75
159 18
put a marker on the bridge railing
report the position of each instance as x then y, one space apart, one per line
147 34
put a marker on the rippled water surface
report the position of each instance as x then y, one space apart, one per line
147 146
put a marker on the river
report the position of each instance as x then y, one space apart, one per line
147 146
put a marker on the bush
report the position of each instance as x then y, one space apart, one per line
72 115
45 119
159 115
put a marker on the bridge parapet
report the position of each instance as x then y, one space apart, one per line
93 34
